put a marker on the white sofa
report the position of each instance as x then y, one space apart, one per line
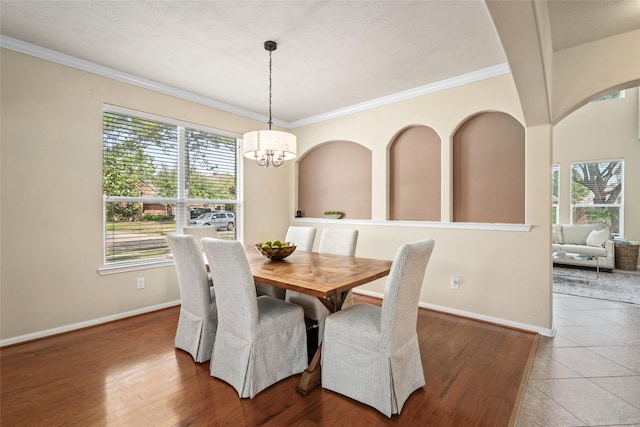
583 244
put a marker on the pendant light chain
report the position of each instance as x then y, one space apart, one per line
269 147
270 121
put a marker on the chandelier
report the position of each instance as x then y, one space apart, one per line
269 147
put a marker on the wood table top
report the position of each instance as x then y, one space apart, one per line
321 275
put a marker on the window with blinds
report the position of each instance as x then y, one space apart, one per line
159 175
555 193
613 95
597 194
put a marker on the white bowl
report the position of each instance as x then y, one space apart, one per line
333 216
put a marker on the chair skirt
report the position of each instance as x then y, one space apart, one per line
355 365
277 350
196 335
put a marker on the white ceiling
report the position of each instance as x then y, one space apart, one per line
331 55
575 22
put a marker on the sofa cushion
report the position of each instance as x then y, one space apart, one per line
597 238
584 250
577 234
556 247
556 233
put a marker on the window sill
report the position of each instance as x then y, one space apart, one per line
134 266
420 224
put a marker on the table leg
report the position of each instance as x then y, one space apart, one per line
311 376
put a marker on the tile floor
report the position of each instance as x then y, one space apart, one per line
589 373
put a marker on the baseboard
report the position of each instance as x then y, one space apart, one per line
68 328
475 316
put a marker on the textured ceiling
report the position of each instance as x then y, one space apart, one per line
331 54
577 22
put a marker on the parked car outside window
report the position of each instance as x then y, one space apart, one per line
221 220
196 212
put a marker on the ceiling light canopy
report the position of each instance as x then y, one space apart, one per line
269 147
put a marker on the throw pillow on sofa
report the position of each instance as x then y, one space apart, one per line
598 238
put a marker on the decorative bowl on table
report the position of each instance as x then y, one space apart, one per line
275 253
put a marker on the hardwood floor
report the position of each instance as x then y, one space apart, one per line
127 373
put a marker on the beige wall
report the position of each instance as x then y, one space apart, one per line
504 274
587 71
52 207
605 130
51 196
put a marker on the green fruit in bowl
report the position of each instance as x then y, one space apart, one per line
277 250
276 244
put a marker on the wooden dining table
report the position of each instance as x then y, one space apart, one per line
327 277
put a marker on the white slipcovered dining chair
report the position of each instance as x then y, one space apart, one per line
260 340
200 233
303 238
371 353
198 315
336 242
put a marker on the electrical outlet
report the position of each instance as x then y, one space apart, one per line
455 283
140 283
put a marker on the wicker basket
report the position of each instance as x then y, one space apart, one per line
626 257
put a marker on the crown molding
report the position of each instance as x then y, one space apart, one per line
100 70
90 67
472 77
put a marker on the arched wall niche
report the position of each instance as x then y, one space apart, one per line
489 170
335 176
415 175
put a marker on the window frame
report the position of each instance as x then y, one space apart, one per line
555 169
619 206
182 215
612 96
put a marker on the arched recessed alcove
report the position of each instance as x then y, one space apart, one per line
489 170
414 175
335 176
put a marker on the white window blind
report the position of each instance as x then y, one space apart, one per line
157 175
555 193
